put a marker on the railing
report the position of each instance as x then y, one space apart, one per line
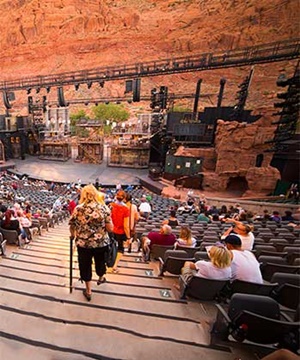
264 53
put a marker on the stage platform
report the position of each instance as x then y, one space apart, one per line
7 165
154 186
70 171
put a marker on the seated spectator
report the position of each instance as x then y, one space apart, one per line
244 265
172 221
26 225
288 216
162 237
243 231
275 217
144 208
9 222
204 217
37 214
185 237
218 268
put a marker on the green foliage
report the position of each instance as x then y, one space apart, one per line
180 108
112 112
73 121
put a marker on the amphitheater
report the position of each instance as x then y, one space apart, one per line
137 314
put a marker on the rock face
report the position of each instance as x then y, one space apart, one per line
54 36
239 161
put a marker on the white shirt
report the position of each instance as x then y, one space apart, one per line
145 207
207 270
244 266
247 241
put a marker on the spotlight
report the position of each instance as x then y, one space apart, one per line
89 84
77 87
48 88
28 90
101 83
38 89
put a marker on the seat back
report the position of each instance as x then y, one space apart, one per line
266 330
11 236
175 253
288 295
284 278
204 289
2 245
268 269
201 255
158 251
173 265
261 305
246 287
189 250
271 259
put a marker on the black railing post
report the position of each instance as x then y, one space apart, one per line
71 265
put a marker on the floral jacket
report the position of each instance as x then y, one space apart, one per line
88 222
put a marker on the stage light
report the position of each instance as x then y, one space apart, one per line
28 90
101 83
38 89
48 88
89 84
77 86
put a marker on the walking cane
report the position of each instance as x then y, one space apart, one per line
71 264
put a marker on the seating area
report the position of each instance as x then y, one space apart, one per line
236 310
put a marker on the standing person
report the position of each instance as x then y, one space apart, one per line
90 224
133 218
120 219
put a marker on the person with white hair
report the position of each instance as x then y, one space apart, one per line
162 237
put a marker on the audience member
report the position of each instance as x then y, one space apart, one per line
185 237
244 265
204 217
9 222
243 231
275 217
144 208
162 237
217 268
172 221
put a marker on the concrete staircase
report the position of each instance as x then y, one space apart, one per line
134 315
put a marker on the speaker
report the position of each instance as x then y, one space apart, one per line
128 86
6 100
30 103
20 122
2 122
136 90
61 97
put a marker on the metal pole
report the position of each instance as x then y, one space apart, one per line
71 264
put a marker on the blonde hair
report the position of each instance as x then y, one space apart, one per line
220 256
186 234
90 194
